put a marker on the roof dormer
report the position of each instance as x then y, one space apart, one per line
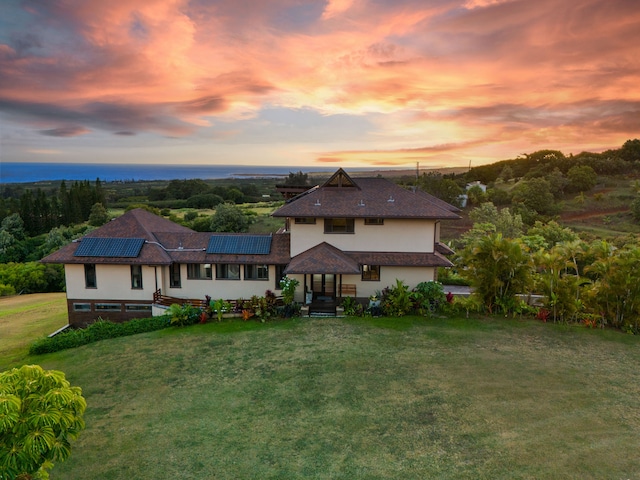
340 179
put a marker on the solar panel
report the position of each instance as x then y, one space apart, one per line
240 244
109 247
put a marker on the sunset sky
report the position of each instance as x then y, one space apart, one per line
377 83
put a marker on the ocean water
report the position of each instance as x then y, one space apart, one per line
38 172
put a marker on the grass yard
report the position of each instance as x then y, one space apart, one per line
23 318
358 399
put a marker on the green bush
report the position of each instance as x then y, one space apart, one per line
100 330
429 297
6 290
182 315
396 300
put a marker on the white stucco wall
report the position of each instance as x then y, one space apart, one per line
113 282
396 235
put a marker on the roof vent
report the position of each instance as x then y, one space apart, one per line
391 200
361 203
317 204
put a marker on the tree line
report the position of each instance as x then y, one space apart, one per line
40 212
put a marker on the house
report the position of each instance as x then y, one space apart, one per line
346 237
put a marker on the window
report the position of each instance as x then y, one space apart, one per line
199 271
279 275
108 307
338 225
227 271
256 272
136 276
81 307
374 221
371 273
90 276
174 275
305 220
137 307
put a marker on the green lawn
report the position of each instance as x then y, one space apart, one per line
358 399
23 318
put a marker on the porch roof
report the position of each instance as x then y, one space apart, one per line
323 258
400 259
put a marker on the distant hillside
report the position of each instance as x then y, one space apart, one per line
610 162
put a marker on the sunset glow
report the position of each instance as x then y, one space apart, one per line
303 82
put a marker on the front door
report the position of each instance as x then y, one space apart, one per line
324 285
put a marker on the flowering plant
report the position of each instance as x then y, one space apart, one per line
288 286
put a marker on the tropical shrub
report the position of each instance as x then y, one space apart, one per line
40 414
351 307
182 315
429 297
220 307
396 300
288 286
498 269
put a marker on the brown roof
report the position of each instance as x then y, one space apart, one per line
366 198
400 259
166 243
323 258
137 223
191 248
444 249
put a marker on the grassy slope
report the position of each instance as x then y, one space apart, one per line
24 318
358 399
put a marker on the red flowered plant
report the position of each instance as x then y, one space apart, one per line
543 314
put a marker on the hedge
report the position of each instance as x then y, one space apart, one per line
100 330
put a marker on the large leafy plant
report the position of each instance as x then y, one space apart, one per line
40 414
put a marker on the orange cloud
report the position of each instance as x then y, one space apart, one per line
438 81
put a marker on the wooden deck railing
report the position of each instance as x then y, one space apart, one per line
167 301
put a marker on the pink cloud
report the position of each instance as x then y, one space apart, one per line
464 73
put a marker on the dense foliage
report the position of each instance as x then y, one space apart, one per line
40 414
31 277
100 330
594 283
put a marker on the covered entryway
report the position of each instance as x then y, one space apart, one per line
323 267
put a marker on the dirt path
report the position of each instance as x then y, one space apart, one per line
594 213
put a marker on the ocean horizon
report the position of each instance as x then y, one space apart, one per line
14 172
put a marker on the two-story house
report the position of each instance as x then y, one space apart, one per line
342 238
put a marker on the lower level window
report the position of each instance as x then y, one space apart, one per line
81 307
108 307
227 271
256 272
199 271
141 307
371 273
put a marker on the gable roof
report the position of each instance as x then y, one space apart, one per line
323 258
341 196
140 237
135 228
